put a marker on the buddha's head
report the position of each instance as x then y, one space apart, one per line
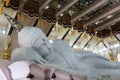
32 37
35 38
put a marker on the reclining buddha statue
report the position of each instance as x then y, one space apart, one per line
35 46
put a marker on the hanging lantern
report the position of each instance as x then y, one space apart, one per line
72 31
111 35
40 22
57 27
96 39
20 17
85 36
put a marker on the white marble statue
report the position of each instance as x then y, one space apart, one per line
35 46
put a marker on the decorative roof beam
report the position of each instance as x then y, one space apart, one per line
87 42
114 8
104 45
96 45
46 2
66 6
93 6
41 7
35 23
108 22
65 34
21 5
117 38
50 30
77 40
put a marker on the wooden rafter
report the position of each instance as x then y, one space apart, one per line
114 8
66 6
46 2
95 5
108 22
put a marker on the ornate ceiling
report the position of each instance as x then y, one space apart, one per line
93 16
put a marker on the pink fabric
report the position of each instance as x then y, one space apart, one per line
62 75
2 75
49 73
19 70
